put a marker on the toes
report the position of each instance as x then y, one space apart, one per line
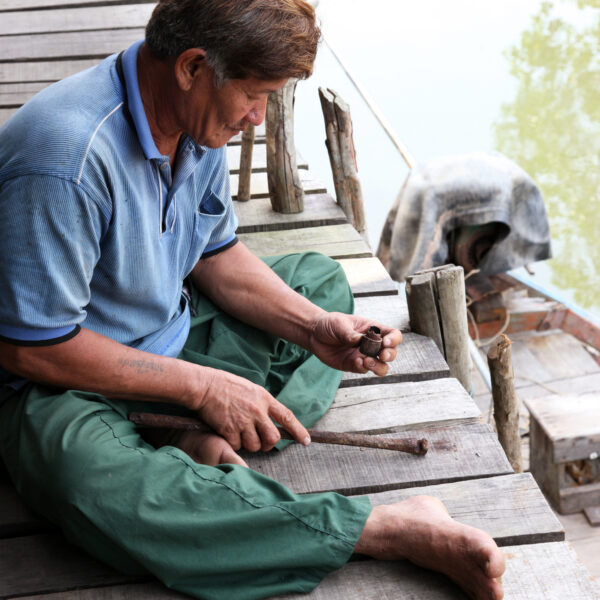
492 560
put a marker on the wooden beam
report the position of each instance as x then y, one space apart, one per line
76 19
70 45
550 571
258 215
388 310
336 241
367 277
390 408
285 189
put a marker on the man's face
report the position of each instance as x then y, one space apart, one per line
213 115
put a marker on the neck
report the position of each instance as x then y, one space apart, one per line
157 89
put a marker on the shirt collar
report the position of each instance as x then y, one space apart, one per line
136 106
134 101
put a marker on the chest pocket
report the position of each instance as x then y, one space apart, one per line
207 219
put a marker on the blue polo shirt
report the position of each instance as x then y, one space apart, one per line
97 231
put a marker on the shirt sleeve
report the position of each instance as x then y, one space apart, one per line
48 253
219 199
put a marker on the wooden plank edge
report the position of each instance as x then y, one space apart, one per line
371 379
522 486
291 224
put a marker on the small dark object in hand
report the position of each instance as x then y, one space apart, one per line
371 342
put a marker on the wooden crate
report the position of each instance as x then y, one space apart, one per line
565 449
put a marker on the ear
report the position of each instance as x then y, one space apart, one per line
189 66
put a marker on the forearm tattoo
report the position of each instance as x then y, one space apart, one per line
141 365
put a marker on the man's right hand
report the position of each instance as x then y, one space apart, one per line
243 413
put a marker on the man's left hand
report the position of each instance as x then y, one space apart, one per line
335 339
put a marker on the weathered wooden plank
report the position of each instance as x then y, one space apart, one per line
47 71
69 45
418 359
368 277
258 215
259 187
541 358
47 563
511 508
388 408
16 94
562 355
583 384
132 591
8 5
259 159
75 19
456 453
389 310
526 518
336 241
550 571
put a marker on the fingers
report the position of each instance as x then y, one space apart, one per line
251 440
364 364
269 435
392 338
285 417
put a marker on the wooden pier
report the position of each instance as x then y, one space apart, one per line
44 40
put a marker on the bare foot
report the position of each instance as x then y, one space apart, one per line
421 530
205 448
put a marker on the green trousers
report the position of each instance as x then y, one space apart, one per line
222 532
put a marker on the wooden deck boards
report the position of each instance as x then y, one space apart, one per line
456 453
257 215
335 241
260 189
550 571
44 40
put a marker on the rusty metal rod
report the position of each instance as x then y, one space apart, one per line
409 445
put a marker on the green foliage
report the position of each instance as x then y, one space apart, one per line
552 129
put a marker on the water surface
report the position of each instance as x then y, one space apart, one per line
518 76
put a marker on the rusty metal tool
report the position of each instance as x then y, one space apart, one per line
409 445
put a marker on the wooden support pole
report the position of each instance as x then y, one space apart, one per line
437 308
285 188
245 175
342 156
453 317
506 403
423 312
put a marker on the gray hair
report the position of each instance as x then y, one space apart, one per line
267 39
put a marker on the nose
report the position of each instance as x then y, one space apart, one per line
256 114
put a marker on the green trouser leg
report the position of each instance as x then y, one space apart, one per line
213 532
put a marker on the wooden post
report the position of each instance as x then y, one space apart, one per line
243 194
506 403
421 297
285 188
342 156
453 316
437 308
